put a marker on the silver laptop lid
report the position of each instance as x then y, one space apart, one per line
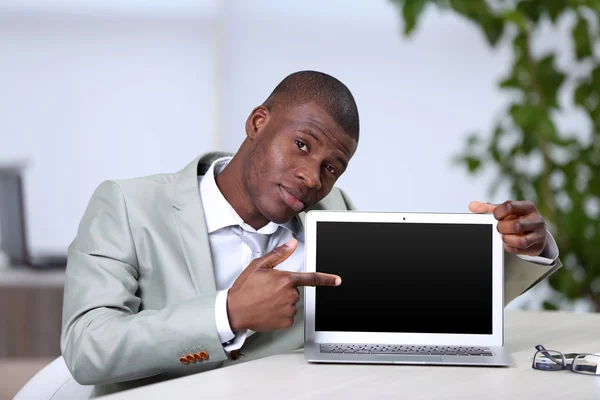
407 278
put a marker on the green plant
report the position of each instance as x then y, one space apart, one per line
566 185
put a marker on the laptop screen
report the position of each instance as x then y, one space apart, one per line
405 277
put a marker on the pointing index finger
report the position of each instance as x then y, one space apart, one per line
315 279
481 207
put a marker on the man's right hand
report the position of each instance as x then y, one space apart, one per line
264 299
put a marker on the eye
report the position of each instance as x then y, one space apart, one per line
301 146
331 169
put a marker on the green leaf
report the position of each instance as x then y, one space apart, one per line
581 38
581 93
594 114
493 28
594 5
411 11
473 163
550 79
555 8
519 77
471 9
517 18
566 142
510 83
520 47
532 9
524 116
549 306
596 77
545 127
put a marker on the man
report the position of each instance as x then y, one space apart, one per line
174 274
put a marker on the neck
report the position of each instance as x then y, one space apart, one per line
231 183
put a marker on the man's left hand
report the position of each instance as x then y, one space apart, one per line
521 225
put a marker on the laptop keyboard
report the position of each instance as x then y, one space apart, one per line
412 349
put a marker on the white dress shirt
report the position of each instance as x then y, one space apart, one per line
231 255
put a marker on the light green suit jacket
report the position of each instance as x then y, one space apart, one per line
140 289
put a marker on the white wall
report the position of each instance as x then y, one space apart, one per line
89 97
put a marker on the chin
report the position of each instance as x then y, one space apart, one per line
281 218
277 212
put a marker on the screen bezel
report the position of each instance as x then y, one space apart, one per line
496 338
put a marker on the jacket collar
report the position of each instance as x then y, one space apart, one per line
186 186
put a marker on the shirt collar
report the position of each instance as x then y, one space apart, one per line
219 214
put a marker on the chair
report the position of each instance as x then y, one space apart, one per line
54 382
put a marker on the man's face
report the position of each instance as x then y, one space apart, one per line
298 155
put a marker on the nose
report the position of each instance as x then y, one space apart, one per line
310 176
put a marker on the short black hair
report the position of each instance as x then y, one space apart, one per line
328 92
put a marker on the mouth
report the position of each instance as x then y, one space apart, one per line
290 200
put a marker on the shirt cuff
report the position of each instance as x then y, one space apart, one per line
231 341
548 256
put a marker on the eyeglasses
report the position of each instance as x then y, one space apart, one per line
551 360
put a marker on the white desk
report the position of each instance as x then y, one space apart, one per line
288 376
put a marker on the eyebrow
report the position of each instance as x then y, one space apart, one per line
309 132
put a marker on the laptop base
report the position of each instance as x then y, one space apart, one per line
499 358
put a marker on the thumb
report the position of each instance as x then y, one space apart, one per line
268 261
481 207
277 255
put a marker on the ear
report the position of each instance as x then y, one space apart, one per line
256 121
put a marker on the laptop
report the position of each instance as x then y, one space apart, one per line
417 288
13 227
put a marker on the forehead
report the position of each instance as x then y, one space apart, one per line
320 122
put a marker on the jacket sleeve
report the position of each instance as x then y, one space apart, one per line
105 338
519 275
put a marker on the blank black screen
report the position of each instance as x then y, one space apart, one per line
405 277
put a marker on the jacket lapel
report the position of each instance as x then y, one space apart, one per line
191 225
